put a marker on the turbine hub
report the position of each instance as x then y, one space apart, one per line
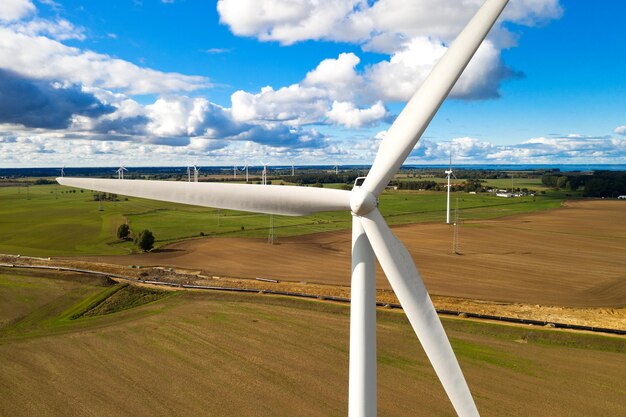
362 202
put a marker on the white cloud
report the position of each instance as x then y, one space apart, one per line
337 76
360 21
215 51
620 130
11 10
414 33
293 105
45 58
60 29
346 114
286 21
398 78
567 149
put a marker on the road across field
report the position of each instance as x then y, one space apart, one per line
572 256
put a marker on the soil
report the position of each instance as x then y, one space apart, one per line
574 257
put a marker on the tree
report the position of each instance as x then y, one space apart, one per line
123 231
145 240
561 182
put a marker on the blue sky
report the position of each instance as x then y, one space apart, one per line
151 82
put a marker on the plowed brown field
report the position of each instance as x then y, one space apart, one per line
573 256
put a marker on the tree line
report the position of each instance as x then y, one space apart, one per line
609 184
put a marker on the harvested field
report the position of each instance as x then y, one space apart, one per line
259 355
573 256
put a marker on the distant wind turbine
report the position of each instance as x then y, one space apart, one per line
120 172
371 236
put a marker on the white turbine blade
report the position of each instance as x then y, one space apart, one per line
419 111
413 296
283 200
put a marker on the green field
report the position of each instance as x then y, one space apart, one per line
49 220
201 353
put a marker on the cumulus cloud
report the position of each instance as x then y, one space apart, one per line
415 34
293 105
338 77
359 21
41 104
286 21
568 149
620 130
45 58
15 9
328 94
346 114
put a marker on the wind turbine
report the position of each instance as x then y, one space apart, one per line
371 236
188 173
62 171
336 168
120 172
235 171
449 174
293 170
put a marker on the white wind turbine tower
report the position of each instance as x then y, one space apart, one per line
246 169
188 173
62 171
293 170
120 172
196 170
264 174
371 236
336 168
449 174
235 171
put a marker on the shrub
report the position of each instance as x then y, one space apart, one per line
123 231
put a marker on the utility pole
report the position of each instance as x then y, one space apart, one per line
271 237
455 237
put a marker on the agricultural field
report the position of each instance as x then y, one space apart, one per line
51 220
573 256
192 353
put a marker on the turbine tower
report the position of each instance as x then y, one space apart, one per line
293 170
371 236
62 171
235 171
449 174
264 174
336 168
246 169
188 173
196 170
